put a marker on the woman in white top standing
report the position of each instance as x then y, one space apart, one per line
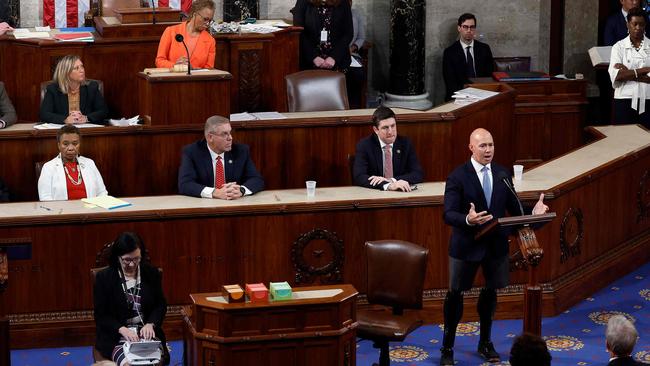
69 176
628 69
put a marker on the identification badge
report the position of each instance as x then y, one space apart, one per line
323 35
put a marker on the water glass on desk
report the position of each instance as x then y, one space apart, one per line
311 188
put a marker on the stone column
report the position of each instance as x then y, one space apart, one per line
406 88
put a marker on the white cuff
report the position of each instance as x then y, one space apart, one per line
207 192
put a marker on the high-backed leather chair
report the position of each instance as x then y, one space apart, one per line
512 63
48 82
396 272
316 90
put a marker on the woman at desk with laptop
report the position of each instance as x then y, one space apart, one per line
71 98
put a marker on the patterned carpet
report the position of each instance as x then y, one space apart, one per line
574 338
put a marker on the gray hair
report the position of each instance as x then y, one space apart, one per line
621 335
213 122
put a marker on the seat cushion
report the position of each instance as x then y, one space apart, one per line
385 325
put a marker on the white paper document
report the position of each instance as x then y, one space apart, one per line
124 122
245 116
54 126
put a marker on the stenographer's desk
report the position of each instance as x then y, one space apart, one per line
602 231
144 160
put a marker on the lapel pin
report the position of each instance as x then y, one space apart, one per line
229 161
399 151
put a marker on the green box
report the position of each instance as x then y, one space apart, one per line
280 290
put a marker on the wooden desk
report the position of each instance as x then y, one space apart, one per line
549 117
258 63
182 98
317 328
305 146
281 235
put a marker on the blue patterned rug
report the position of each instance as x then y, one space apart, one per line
576 337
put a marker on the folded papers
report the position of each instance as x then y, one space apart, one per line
107 202
471 95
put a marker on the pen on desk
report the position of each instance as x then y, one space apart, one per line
45 208
276 197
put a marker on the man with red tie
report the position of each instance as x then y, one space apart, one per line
215 167
385 160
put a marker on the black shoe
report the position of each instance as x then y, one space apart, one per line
486 349
446 357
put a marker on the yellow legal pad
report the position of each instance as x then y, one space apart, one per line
107 202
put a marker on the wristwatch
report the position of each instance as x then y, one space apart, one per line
242 190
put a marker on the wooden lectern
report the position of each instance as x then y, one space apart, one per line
317 327
177 98
532 255
5 355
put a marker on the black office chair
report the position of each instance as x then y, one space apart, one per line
396 272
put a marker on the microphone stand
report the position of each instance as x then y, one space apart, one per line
179 38
153 14
512 189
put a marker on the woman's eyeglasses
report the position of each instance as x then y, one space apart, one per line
129 261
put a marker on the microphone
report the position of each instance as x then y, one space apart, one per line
179 38
153 13
506 181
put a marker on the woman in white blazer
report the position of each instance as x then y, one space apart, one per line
69 175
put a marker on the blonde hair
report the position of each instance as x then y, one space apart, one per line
201 4
63 70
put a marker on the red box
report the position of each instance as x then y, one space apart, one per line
257 292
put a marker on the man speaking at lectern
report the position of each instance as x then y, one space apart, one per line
216 167
476 193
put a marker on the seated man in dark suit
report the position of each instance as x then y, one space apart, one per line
215 167
465 58
621 338
385 160
7 112
616 24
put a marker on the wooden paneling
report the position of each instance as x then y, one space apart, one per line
116 61
287 152
202 249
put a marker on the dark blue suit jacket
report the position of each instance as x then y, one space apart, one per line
616 28
454 65
624 361
369 161
196 170
463 187
54 107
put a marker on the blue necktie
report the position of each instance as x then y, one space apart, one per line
487 185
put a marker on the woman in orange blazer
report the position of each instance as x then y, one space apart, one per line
199 42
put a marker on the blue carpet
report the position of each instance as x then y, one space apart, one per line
576 337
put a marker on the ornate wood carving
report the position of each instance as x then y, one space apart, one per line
571 233
643 197
310 257
250 80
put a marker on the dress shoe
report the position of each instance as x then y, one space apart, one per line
486 349
446 357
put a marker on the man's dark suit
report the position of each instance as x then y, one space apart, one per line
368 161
54 108
196 171
624 361
111 308
454 65
616 29
463 187
7 111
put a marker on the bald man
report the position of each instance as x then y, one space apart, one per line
475 194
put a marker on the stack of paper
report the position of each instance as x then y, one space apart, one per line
23 33
471 95
107 202
74 37
54 126
124 122
245 116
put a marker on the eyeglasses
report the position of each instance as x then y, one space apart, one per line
223 135
468 27
206 20
129 261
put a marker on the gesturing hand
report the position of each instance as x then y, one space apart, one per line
479 218
540 207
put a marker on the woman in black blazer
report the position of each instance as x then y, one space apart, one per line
129 301
71 98
327 33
